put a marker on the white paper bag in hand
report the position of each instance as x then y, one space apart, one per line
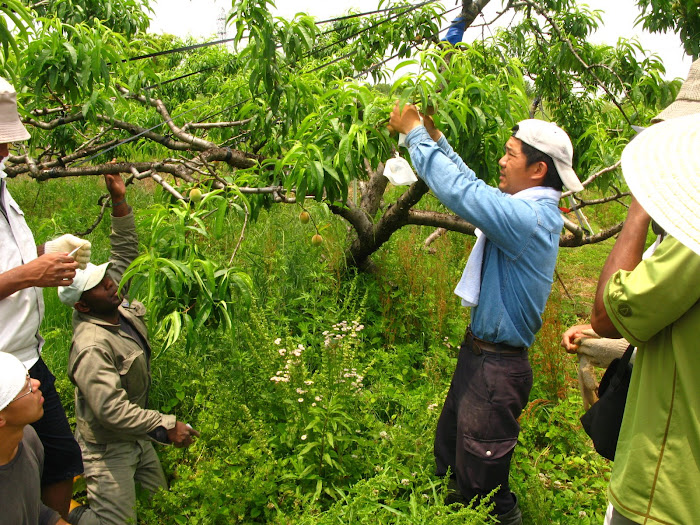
399 172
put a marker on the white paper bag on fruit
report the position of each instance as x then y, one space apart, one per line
399 171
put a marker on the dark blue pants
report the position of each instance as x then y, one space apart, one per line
478 427
62 458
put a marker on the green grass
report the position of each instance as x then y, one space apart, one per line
351 451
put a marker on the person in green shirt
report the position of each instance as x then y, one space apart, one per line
655 304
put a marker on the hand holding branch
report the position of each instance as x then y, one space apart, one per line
404 120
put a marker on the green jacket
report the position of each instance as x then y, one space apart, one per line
656 306
109 368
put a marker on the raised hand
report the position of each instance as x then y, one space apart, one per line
404 120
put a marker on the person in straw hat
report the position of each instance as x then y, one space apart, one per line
655 304
24 270
21 452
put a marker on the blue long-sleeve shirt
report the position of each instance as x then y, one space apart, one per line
523 241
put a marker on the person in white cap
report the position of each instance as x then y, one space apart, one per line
507 281
21 452
109 364
24 270
655 304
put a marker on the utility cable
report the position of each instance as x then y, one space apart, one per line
178 50
358 15
232 106
364 30
311 52
183 49
412 46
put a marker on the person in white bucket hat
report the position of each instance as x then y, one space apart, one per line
655 304
109 364
25 269
506 282
21 452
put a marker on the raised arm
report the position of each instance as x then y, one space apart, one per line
123 238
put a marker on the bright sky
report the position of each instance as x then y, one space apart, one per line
198 18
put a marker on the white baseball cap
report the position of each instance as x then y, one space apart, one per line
83 281
13 377
552 140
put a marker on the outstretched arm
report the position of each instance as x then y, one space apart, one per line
53 269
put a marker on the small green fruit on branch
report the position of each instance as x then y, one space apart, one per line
195 195
316 240
304 217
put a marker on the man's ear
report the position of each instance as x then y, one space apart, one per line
2 420
539 171
82 307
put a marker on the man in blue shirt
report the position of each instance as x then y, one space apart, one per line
507 281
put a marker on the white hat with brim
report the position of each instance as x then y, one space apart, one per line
13 377
11 127
662 169
83 281
552 140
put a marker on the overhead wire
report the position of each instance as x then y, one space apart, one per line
407 9
412 46
313 51
363 30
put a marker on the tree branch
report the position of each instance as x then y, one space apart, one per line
570 241
595 176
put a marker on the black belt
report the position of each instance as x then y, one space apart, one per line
479 345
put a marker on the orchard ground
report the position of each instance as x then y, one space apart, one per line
319 405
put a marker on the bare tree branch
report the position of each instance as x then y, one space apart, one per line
571 241
211 125
156 103
595 176
105 204
430 239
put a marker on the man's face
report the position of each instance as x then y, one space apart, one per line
516 175
4 151
26 407
103 298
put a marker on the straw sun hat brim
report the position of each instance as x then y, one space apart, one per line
662 169
11 127
13 132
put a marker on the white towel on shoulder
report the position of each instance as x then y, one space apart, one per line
469 286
